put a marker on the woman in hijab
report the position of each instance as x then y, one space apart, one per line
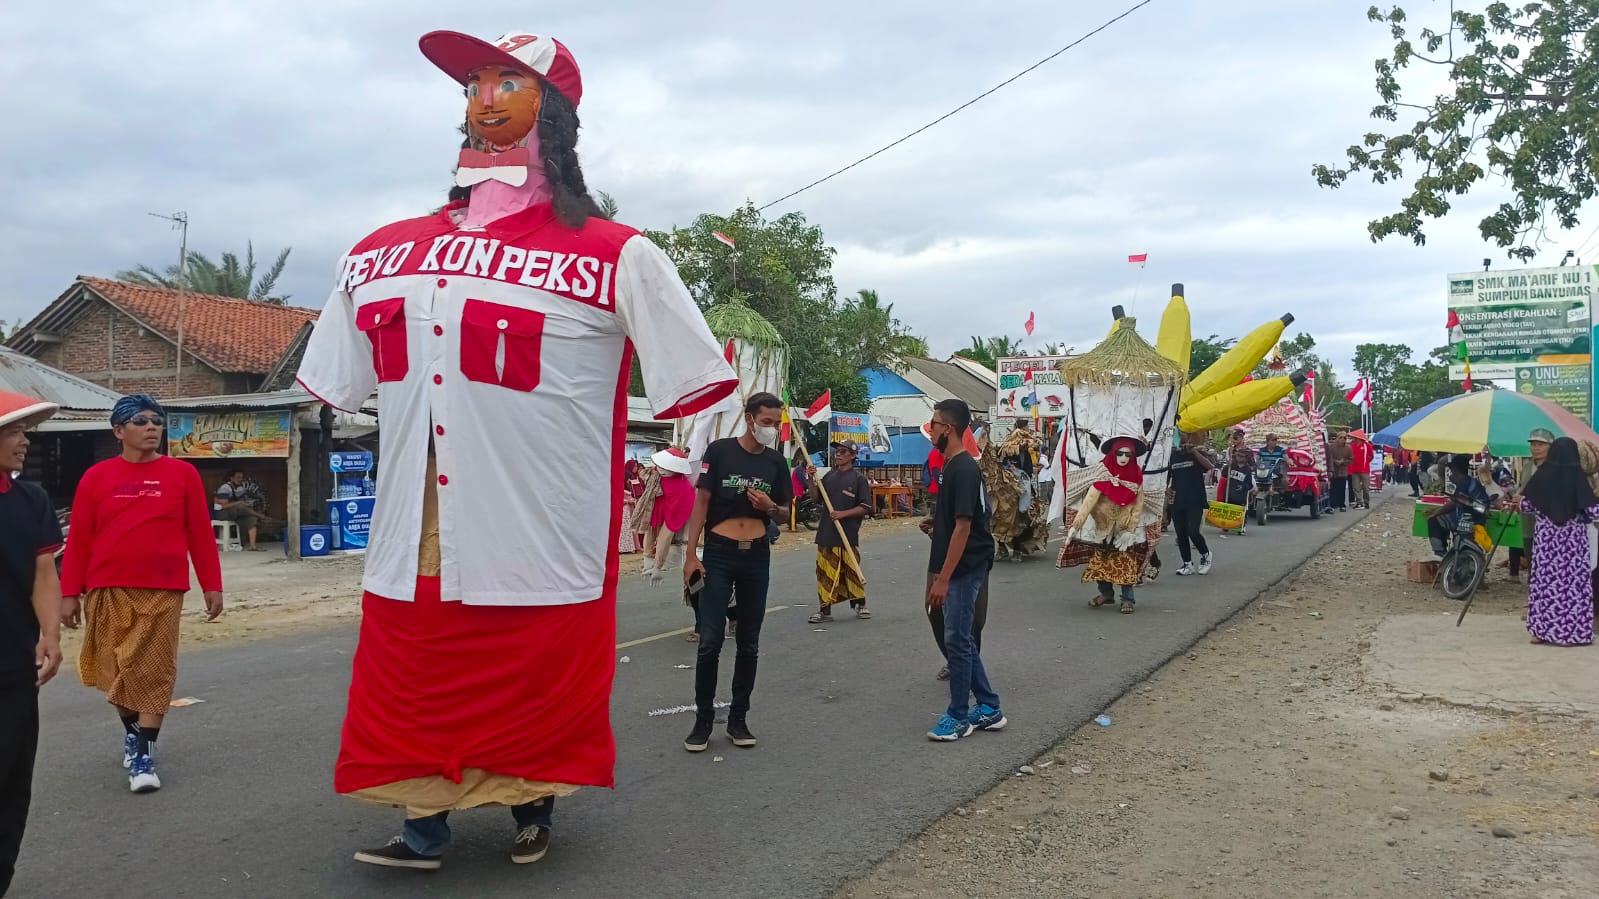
1560 607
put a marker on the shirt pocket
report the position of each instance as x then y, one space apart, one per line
501 344
383 322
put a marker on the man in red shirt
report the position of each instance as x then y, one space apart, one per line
1360 469
137 520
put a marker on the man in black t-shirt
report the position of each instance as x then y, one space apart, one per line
962 554
30 619
1188 467
744 484
838 571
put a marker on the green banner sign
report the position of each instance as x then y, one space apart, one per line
1565 385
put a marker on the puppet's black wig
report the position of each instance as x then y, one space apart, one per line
558 125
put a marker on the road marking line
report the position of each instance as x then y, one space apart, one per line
678 633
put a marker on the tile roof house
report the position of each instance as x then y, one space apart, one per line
126 337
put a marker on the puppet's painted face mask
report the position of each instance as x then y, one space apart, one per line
502 106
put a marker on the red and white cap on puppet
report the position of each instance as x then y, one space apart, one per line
459 55
15 407
673 460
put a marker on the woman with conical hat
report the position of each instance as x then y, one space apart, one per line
30 618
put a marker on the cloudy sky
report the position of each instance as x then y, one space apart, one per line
1186 131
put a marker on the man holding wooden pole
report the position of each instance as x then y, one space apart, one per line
847 495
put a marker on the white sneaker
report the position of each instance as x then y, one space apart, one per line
1186 569
1204 564
141 775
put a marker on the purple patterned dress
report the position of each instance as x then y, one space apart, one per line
1560 609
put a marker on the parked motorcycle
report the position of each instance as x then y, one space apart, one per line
1463 565
809 511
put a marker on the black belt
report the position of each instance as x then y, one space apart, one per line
714 539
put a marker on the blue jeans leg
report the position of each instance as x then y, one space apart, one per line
429 835
537 813
967 676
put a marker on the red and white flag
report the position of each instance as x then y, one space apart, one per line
1138 259
723 238
1029 326
1360 395
822 409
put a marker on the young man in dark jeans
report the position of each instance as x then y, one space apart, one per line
30 620
744 484
1188 467
962 554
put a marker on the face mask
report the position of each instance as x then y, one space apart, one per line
764 436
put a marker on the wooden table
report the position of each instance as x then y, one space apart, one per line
881 492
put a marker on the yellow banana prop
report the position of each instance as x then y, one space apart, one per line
1176 341
1235 364
1229 407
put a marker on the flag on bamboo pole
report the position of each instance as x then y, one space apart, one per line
1457 337
724 239
822 409
786 434
1138 259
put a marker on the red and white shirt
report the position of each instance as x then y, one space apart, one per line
511 347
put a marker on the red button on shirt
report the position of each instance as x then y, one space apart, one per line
443 480
438 379
438 330
439 430
443 282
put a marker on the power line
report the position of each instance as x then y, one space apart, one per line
1582 247
830 176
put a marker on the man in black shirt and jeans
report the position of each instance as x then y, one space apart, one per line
1188 467
962 554
30 619
744 483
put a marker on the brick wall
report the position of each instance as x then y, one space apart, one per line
109 348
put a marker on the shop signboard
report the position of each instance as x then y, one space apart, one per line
228 435
1015 400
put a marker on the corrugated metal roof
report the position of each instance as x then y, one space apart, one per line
942 379
903 411
277 399
30 377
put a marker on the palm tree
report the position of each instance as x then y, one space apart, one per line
871 336
608 205
227 279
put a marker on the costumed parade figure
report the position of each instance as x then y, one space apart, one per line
499 333
1020 524
1122 405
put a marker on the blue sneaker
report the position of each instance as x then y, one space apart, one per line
947 730
986 717
141 775
130 748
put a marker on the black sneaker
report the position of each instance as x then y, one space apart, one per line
530 845
700 737
398 855
739 732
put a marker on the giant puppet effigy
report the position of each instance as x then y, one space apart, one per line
498 334
1122 399
1020 525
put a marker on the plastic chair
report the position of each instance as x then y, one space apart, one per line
227 534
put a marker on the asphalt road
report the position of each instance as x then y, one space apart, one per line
843 773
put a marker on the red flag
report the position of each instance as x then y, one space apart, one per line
1310 389
1029 326
1138 259
1360 394
822 409
728 354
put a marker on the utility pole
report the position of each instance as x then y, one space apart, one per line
180 220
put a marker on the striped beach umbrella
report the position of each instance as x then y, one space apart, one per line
1499 420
